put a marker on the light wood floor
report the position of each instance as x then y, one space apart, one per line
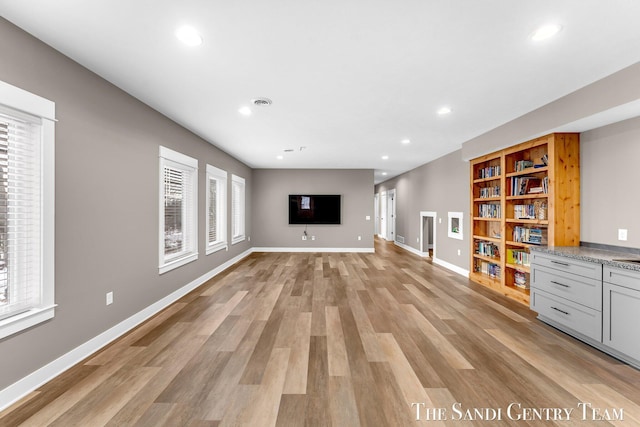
334 339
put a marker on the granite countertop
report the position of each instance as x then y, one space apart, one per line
582 253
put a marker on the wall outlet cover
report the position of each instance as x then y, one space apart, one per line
622 234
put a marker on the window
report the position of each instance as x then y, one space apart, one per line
237 209
27 138
178 209
216 209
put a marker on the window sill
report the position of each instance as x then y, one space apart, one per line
177 263
19 322
215 248
237 239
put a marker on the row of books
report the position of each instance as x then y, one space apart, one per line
520 279
518 257
523 185
533 236
487 192
489 268
489 249
521 165
524 211
489 210
489 172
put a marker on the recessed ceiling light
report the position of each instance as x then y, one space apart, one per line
545 32
385 157
189 36
384 173
245 111
443 110
405 141
279 157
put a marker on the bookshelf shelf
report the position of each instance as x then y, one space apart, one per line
487 199
528 221
490 239
520 267
528 197
528 171
481 180
538 179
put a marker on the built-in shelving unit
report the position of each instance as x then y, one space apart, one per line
525 195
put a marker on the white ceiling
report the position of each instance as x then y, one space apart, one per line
348 79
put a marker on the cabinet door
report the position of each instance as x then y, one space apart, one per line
621 316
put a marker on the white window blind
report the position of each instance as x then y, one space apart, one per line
216 236
20 216
237 209
178 209
27 136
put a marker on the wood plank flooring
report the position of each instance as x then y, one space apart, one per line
327 339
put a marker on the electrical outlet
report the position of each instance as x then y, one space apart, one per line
359 237
459 252
368 217
109 298
304 237
439 220
622 234
313 237
417 240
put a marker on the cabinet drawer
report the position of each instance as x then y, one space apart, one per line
573 316
591 270
621 317
622 277
579 289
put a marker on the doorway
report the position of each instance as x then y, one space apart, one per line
391 215
428 233
383 215
376 213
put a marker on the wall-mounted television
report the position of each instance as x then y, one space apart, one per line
314 209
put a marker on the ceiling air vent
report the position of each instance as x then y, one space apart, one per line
261 102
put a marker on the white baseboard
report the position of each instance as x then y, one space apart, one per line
411 249
461 271
361 250
26 385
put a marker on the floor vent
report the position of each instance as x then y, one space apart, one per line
400 239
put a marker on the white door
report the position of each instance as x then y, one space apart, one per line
391 215
376 212
383 215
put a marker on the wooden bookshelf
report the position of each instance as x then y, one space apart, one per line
551 162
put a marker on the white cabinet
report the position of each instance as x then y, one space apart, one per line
568 294
621 314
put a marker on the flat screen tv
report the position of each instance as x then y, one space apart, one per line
314 209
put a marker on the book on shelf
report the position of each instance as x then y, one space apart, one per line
489 210
487 192
520 279
532 236
489 172
523 185
521 165
491 269
518 257
488 249
524 211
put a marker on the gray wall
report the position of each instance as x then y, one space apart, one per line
610 175
441 186
106 202
609 93
271 213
